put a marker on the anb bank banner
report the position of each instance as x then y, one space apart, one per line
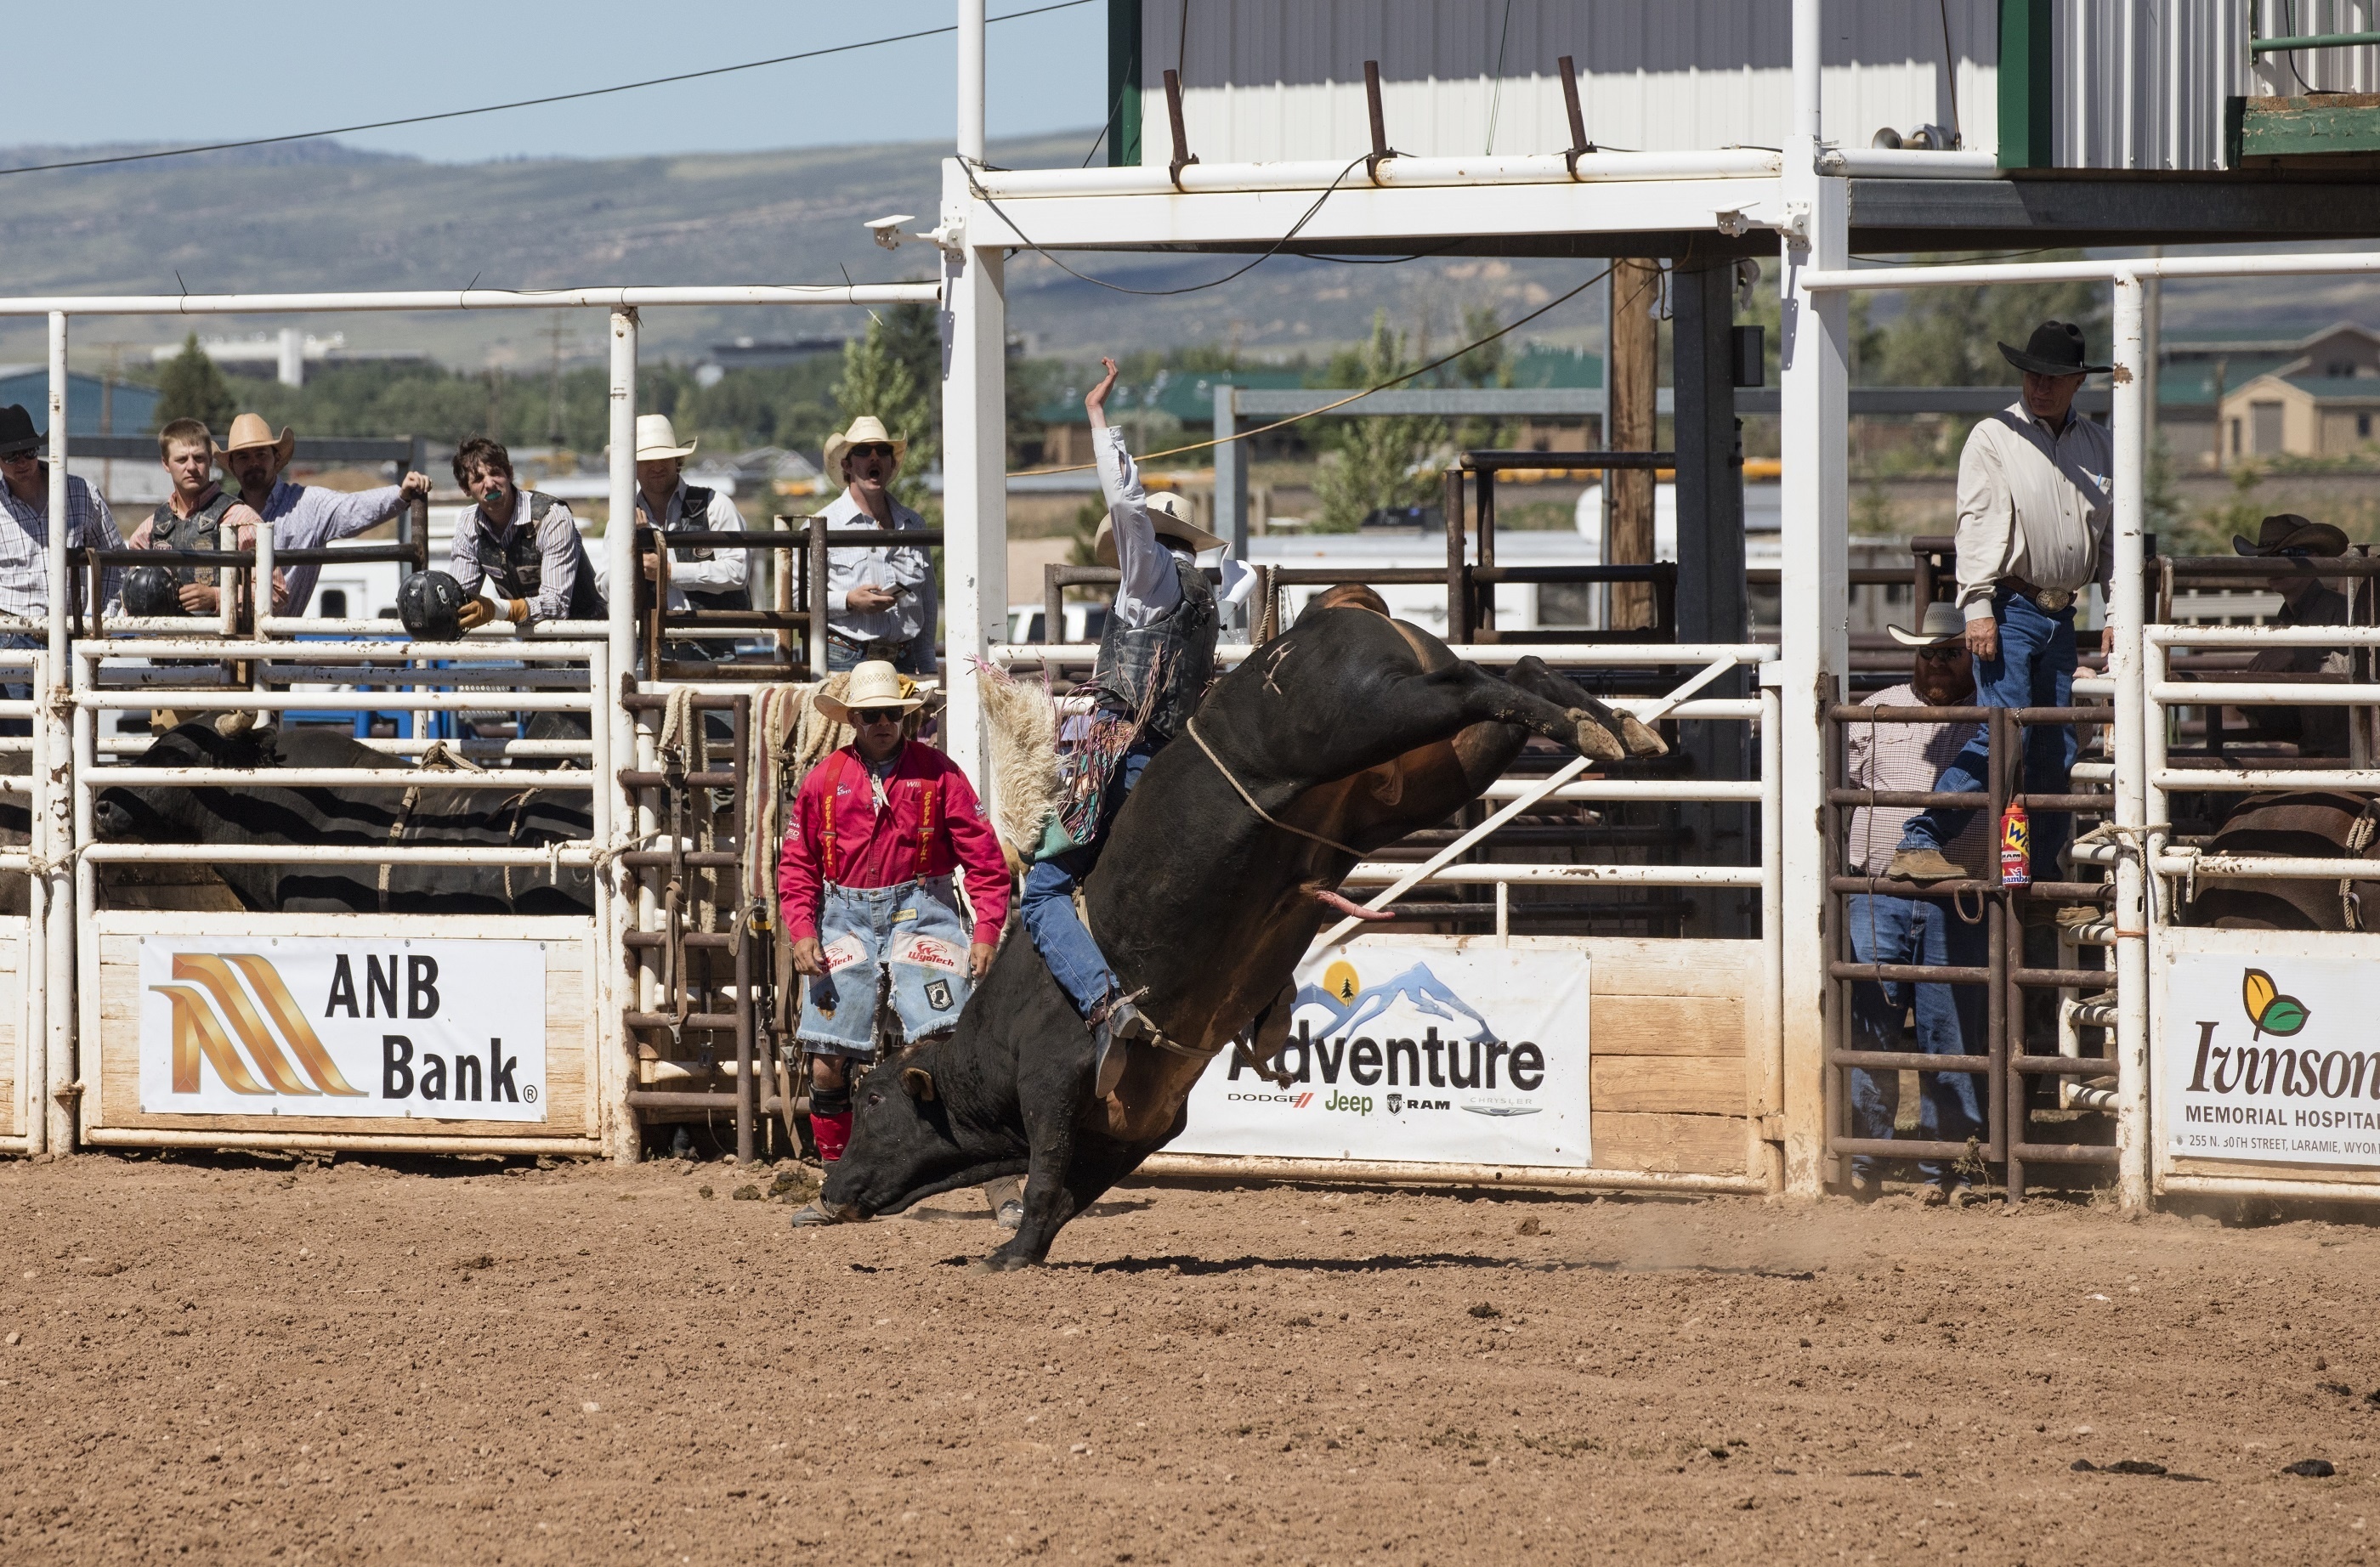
1430 1055
2269 1056
319 1025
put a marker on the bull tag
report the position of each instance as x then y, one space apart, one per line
927 952
843 951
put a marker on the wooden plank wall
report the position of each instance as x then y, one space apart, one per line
15 1040
571 1109
1671 1028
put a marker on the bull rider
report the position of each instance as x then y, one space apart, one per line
522 544
865 883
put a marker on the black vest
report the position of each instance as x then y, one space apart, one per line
202 530
695 516
515 568
1175 651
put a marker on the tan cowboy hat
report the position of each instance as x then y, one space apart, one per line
2286 533
865 431
1170 515
249 431
875 684
656 439
1943 623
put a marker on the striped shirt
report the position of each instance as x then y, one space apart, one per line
24 546
307 517
1904 756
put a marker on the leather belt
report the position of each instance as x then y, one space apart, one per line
875 648
2049 600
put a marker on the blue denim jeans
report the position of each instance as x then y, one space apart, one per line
913 933
842 655
2035 669
1950 1021
1047 906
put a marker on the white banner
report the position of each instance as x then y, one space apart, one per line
2263 1052
319 1025
1474 1055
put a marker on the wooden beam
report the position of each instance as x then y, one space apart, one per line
1632 372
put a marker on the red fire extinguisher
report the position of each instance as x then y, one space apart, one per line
2016 846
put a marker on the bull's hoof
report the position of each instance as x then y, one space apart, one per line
1640 739
819 1213
1004 1261
1595 742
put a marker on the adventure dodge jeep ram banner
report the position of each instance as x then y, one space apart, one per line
1434 1055
313 1025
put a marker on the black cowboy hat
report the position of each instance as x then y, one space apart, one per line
2055 348
2286 533
17 431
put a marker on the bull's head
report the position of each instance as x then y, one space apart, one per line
909 1141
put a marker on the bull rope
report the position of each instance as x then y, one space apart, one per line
1191 727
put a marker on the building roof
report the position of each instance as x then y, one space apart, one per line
132 410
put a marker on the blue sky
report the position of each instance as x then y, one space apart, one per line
144 70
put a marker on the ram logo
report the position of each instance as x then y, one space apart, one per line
213 1010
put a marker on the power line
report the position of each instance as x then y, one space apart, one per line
1351 397
532 102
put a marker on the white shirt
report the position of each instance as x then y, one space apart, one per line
1149 586
724 569
2034 503
889 567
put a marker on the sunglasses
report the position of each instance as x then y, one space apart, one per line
862 717
873 451
1950 654
34 455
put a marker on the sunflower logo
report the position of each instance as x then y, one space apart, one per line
2271 1012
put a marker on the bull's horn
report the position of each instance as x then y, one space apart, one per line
918 1083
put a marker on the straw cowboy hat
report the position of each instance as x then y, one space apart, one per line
657 439
1943 623
249 431
865 431
2055 348
875 684
2286 533
1170 515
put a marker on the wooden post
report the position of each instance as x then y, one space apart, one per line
1632 384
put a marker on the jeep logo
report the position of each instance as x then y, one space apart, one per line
1359 1103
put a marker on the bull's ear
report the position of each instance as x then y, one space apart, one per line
917 1082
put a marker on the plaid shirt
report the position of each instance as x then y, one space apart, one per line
1905 756
25 544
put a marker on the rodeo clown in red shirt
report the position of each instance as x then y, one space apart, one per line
865 883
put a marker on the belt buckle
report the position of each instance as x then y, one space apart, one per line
2056 600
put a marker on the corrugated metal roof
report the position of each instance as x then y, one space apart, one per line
133 408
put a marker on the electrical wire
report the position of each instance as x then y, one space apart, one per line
1351 397
1025 241
531 102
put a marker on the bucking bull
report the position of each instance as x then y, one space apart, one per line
1351 728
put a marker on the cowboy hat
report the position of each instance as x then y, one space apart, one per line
1170 516
657 439
2286 533
1942 622
865 431
2055 348
18 435
249 432
875 684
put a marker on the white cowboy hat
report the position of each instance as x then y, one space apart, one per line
1941 624
1170 515
875 684
865 431
656 439
249 431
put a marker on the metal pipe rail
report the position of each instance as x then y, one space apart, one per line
615 299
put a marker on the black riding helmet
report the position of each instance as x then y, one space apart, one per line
431 604
152 590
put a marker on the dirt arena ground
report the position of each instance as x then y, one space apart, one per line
216 1359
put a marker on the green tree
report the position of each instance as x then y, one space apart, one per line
1951 336
191 387
879 379
1370 469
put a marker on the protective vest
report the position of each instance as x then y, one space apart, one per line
1174 653
515 568
695 516
202 530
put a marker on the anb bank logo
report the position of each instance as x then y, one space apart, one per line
212 1010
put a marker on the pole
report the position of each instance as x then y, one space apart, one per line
1632 379
1814 346
619 1123
1230 486
2131 795
970 84
975 472
56 827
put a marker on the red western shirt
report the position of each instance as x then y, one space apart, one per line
927 799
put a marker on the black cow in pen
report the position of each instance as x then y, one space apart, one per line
527 818
1353 728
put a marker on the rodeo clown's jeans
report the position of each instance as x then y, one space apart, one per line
1047 906
1949 1021
915 931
